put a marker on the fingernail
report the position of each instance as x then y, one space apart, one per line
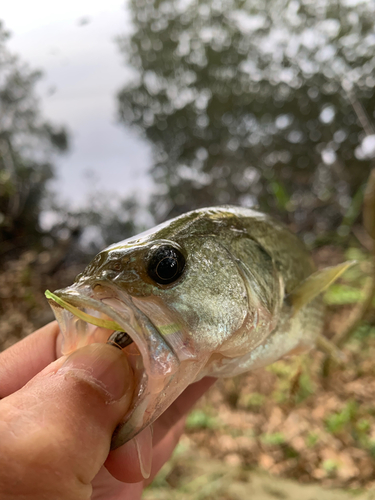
143 444
102 366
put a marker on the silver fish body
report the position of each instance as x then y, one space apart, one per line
208 293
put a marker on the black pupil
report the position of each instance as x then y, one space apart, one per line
167 268
166 265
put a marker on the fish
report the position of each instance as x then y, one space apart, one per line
214 292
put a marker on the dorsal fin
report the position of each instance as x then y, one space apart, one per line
315 284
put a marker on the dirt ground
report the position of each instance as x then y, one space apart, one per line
191 475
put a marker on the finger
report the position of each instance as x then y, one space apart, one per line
123 463
59 425
104 482
132 462
24 360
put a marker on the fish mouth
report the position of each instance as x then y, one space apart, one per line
154 362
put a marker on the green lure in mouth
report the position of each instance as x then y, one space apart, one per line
103 323
118 338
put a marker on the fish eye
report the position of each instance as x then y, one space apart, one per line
165 265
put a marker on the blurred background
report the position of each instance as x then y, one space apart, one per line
115 117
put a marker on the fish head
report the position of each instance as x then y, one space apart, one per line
179 297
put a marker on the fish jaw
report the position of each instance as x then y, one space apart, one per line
161 372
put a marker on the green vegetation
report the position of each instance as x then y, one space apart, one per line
330 466
254 401
198 419
250 102
339 421
343 294
276 438
28 144
312 439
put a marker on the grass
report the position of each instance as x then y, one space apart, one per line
339 421
275 439
199 419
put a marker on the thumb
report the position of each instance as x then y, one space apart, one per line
55 432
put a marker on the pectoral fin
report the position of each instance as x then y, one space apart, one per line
315 284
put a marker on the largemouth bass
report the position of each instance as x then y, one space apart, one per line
217 291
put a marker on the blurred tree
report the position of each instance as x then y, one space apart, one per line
105 220
27 144
75 236
248 101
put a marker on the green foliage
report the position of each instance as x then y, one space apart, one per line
364 331
110 220
282 369
355 421
294 381
371 447
363 425
340 294
312 439
369 206
254 401
305 387
276 438
350 289
247 101
338 422
281 196
27 145
357 254
352 212
284 372
330 466
198 419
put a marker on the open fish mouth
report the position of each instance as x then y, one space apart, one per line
87 315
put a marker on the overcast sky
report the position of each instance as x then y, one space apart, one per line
72 42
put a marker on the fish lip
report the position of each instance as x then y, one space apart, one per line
142 376
78 299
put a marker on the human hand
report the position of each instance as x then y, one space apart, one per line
58 416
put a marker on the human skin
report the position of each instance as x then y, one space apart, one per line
57 416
